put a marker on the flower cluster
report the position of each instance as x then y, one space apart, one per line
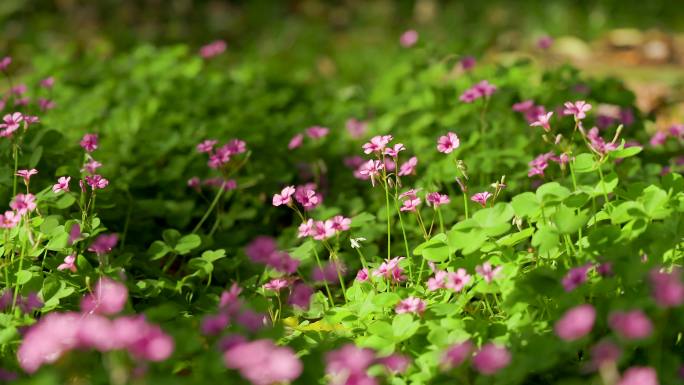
313 132
232 308
483 89
531 111
349 365
488 360
264 250
262 362
322 230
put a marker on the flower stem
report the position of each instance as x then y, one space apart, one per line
209 210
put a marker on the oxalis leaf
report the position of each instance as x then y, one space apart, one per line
435 250
187 243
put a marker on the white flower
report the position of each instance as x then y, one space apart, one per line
355 242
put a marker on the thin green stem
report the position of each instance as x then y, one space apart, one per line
209 210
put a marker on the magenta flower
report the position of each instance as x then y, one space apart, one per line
322 230
62 184
261 362
639 375
23 203
276 284
91 166
487 272
578 109
371 169
362 275
9 219
576 277
468 63
539 164
285 196
348 365
395 363
194 182
317 132
296 141
658 139
456 281
408 38
46 104
391 270
377 144
543 121
89 142
214 324
457 354
598 143
305 229
48 82
5 62
576 323
631 325
260 248
104 244
26 174
329 272
394 151
481 198
545 42
436 199
491 358
213 49
668 290
356 128
301 296
604 353
96 181
207 146
410 204
438 281
448 143
69 263
109 297
676 130
10 123
307 196
340 223
408 167
411 305
74 233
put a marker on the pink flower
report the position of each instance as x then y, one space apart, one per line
104 244
96 181
448 143
9 219
46 104
62 184
410 204
437 199
576 323
322 230
214 324
23 203
276 284
631 325
194 182
676 130
456 281
89 142
491 358
109 297
544 42
394 151
282 262
539 164
467 63
411 305
213 49
598 143
408 38
317 132
307 197
575 277
329 272
348 365
485 88
5 62
91 166
306 229
296 141
356 128
260 248
285 196
395 363
408 167
48 82
362 275
26 174
236 146
456 354
261 362
668 290
481 198
301 296
371 169
438 281
74 233
391 270
487 272
207 146
340 223
578 109
377 144
543 121
604 353
639 375
10 123
69 263
658 139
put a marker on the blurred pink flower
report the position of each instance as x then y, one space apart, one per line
658 139
457 280
395 363
260 248
487 272
390 269
23 203
371 169
48 82
301 296
26 174
5 62
340 223
545 42
668 290
362 275
576 277
467 63
207 146
639 375
377 144
109 297
491 358
436 199
408 38
456 354
104 244
631 325
296 141
96 181
276 284
89 142
317 132
10 123
411 305
576 323
578 109
213 49
604 353
9 219
408 167
356 128
543 121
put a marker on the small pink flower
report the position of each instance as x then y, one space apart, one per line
410 204
260 249
487 272
438 281
543 121
74 233
206 146
340 223
377 144
545 42
481 198
391 270
104 244
23 203
576 323
91 166
576 277
96 181
668 290
62 184
5 62
578 109
467 63
457 354
604 353
408 38
436 199
261 362
306 229
301 296
322 230
213 49
329 272
89 142
108 298
9 219
394 151
411 305
26 174
276 284
69 263
658 139
48 82
631 325
448 143
11 123
307 196
356 128
193 182
639 375
456 281
46 104
317 132
371 169
491 358
285 196
362 275
296 141
408 167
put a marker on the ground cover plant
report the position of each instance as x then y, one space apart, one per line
179 215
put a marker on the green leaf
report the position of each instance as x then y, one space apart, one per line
552 192
361 219
386 299
515 238
171 237
382 329
654 200
23 276
545 239
65 201
436 249
187 243
35 156
158 250
8 334
567 220
495 220
526 205
625 152
213 255
404 326
584 163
